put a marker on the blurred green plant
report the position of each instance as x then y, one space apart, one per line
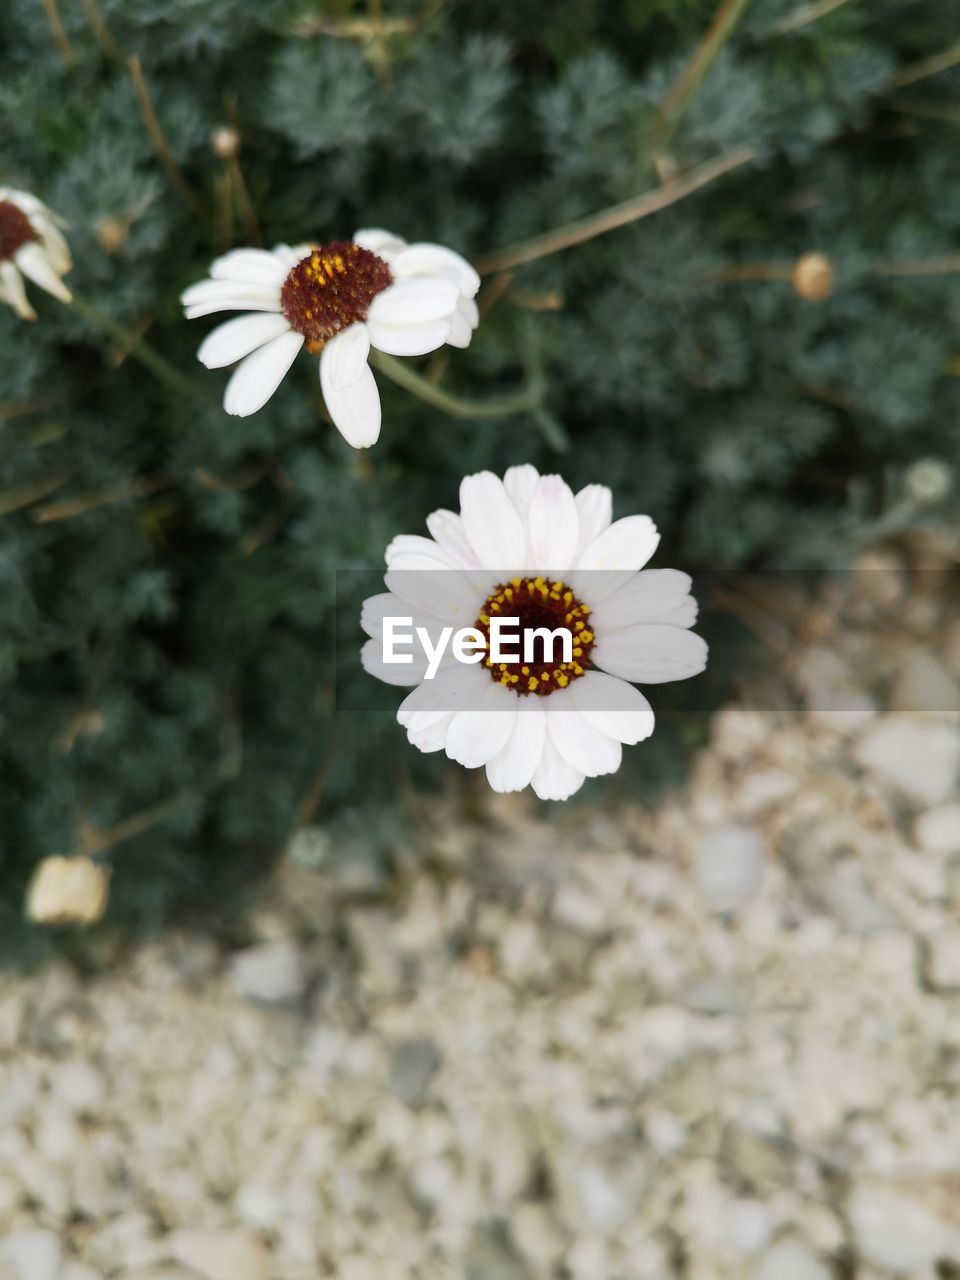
642 183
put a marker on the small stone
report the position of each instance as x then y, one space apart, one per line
938 830
487 1258
899 1227
736 732
269 974
791 1260
748 1226
79 1271
729 865
221 1255
537 1237
370 934
413 1064
32 1255
879 577
11 1195
12 1014
921 758
847 895
943 959
259 1205
924 684
78 1086
579 911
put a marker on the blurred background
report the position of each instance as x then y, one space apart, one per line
305 1003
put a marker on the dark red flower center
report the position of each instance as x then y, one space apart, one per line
331 289
538 603
15 229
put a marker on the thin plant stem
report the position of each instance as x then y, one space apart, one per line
84 502
57 31
247 212
926 67
407 378
139 349
101 31
26 495
805 15
157 136
618 215
680 95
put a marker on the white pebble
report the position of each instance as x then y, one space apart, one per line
729 864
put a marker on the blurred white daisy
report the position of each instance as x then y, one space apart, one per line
339 300
31 245
527 547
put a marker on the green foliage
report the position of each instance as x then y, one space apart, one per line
171 643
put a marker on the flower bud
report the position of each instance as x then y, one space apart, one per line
68 891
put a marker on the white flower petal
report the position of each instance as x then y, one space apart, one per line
430 732
553 525
626 544
446 529
386 605
290 255
409 339
257 377
210 296
595 508
35 265
454 597
477 735
614 707
520 483
584 747
653 595
620 550
22 199
12 291
455 687
235 339
355 409
383 243
463 322
414 301
54 245
250 266
413 551
397 673
554 778
516 762
459 332
344 358
491 523
650 653
437 260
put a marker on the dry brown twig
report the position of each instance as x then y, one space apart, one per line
618 215
157 136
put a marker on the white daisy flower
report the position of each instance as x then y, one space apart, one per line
526 547
31 245
339 300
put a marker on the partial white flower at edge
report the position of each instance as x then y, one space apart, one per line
31 245
551 726
338 300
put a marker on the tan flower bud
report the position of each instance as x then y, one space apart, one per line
813 277
225 142
68 891
112 233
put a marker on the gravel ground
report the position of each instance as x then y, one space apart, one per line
720 1038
